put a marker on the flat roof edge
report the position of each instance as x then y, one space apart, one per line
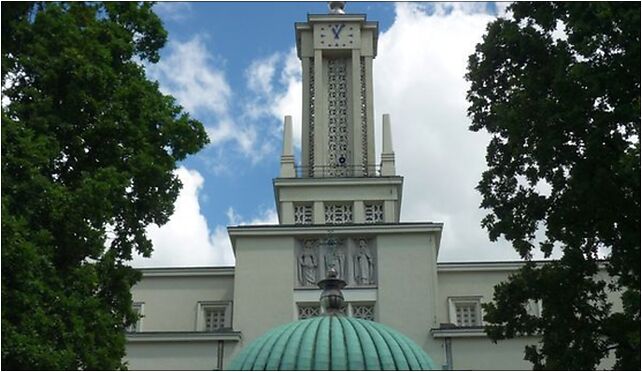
187 271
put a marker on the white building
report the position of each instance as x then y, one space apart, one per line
337 209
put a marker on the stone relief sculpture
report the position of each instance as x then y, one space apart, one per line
308 265
363 264
353 259
334 258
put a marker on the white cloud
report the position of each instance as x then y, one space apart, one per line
419 80
189 72
174 11
276 80
186 240
260 73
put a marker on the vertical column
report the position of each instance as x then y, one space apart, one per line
370 140
318 210
389 211
287 213
387 154
355 125
358 212
306 130
287 154
320 116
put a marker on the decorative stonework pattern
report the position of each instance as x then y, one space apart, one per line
303 214
337 214
364 118
373 213
466 313
338 142
214 318
311 105
308 310
365 311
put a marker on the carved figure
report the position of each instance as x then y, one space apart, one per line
308 265
363 264
334 258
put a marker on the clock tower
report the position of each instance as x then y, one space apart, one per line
337 146
336 52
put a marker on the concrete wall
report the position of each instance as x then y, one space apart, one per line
263 285
170 302
407 286
172 355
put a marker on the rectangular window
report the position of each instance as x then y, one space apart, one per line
308 310
373 213
337 214
213 316
138 309
465 311
303 214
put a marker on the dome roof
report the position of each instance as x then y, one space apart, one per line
332 342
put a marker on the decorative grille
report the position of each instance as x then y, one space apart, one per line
303 214
338 213
363 311
214 318
337 118
466 313
364 118
311 122
374 213
308 311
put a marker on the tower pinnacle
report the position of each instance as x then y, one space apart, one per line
336 7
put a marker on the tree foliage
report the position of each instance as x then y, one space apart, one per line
88 150
557 85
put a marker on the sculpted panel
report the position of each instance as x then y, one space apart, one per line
353 259
307 265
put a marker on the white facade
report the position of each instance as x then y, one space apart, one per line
337 209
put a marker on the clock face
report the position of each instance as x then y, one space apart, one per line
337 36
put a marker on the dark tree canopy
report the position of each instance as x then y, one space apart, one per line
557 85
89 146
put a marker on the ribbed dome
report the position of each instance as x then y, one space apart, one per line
332 342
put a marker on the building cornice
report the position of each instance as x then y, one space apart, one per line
188 271
183 336
492 265
346 229
337 181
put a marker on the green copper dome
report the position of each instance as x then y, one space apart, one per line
332 342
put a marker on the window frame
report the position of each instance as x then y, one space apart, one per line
452 310
203 306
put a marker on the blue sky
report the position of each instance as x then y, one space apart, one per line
233 67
